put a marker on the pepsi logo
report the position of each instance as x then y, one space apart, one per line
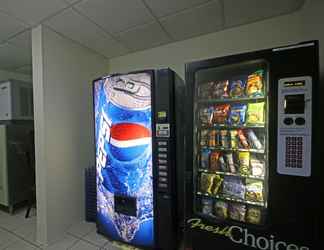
128 140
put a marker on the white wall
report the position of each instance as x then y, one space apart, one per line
63 72
306 24
5 75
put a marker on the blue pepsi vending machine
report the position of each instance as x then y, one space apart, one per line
139 153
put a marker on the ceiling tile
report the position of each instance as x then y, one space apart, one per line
32 11
27 70
72 1
22 40
115 15
144 37
167 7
78 28
9 26
197 21
12 57
241 12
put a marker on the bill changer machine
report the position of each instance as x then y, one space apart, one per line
295 126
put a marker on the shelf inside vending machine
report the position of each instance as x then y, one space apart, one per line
231 142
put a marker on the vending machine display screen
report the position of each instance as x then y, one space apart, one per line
295 104
123 138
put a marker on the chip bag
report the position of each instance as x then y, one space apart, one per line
220 89
234 187
257 166
255 84
220 113
214 164
217 183
253 215
237 211
244 160
237 114
255 113
221 209
237 88
204 158
206 183
254 190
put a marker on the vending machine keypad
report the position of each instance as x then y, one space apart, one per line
294 126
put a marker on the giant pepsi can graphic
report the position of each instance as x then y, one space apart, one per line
123 137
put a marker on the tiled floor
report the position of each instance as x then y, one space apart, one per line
18 233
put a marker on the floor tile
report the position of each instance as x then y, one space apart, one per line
96 239
81 229
6 239
66 243
21 245
82 245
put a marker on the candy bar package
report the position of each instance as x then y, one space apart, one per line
253 215
254 190
237 211
224 140
217 183
242 138
237 88
255 113
206 116
212 138
234 143
254 140
221 209
204 158
206 183
230 162
257 166
254 84
237 114
203 137
222 164
233 186
206 206
220 89
213 161
244 160
220 113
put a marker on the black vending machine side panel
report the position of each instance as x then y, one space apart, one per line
165 158
293 209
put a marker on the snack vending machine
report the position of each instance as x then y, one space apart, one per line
139 153
252 177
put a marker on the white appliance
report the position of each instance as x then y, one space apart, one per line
16 100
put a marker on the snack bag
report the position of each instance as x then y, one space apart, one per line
237 211
233 186
254 190
230 162
233 134
217 183
244 160
220 89
212 138
255 113
221 209
214 156
237 88
253 215
254 84
206 183
220 113
206 206
224 139
205 90
203 137
243 139
222 164
206 115
237 114
257 167
253 139
204 159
